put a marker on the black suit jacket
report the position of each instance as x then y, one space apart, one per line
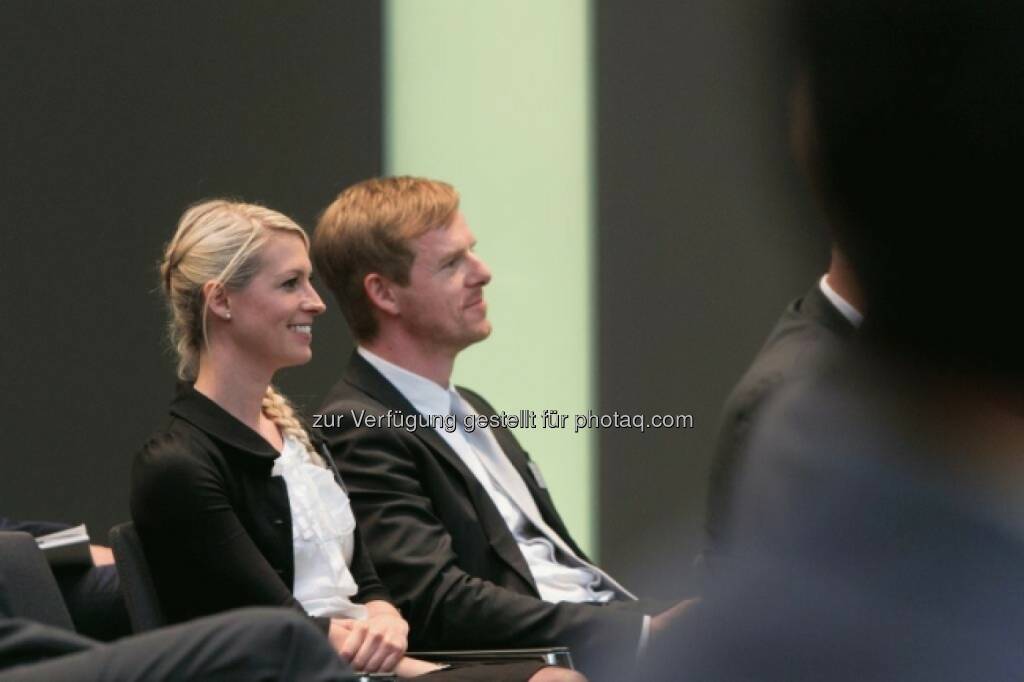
862 548
439 543
215 526
809 328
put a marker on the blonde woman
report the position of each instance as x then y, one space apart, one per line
234 501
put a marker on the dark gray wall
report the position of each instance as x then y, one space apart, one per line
705 233
114 117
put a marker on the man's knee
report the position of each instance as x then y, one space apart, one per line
287 642
268 626
271 618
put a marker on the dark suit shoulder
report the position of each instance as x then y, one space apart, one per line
809 331
344 402
809 328
793 348
341 392
368 453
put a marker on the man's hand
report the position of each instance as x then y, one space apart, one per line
375 644
101 556
663 620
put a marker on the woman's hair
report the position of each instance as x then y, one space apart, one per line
220 241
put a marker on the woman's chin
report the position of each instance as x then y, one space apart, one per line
296 360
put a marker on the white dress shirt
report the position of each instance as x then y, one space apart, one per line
845 308
323 535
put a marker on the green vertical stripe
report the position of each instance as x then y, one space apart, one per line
494 97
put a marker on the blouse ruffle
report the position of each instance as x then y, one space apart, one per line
323 534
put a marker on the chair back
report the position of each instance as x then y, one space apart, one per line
32 591
137 588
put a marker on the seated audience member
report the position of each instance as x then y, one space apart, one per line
825 317
234 503
460 525
249 644
878 532
811 326
92 593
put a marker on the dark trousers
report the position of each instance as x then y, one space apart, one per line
93 598
248 644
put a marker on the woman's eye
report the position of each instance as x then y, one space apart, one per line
291 283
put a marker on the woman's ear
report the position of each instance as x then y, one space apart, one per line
381 292
217 300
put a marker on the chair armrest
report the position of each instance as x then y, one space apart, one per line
144 609
558 655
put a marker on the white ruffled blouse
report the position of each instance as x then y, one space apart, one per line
323 529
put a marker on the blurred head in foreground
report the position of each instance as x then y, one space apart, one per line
915 111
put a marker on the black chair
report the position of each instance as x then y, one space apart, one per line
144 610
31 588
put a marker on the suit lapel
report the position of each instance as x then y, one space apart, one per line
519 459
363 376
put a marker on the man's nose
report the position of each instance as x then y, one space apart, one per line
481 273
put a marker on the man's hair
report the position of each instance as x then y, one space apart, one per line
918 125
368 229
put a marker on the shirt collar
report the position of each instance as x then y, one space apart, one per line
426 396
846 308
209 417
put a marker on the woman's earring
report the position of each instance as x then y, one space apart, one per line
227 315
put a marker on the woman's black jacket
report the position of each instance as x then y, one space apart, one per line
215 526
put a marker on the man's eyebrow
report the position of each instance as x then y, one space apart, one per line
458 251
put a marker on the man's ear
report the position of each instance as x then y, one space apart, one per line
217 300
381 292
